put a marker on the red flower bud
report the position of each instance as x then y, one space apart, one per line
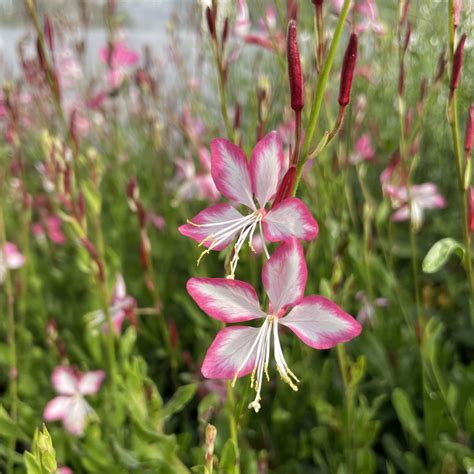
469 136
225 31
211 22
470 208
286 187
407 36
347 72
318 2
294 68
48 32
457 63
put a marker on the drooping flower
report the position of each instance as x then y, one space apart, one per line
363 150
217 226
196 184
121 307
422 197
70 406
10 258
239 350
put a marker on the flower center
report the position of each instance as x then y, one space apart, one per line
261 348
243 226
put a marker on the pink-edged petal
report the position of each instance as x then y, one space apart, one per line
402 214
229 350
64 380
265 167
320 323
212 215
120 290
284 276
75 420
230 172
90 382
57 408
290 218
226 300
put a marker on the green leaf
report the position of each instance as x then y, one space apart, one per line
8 428
32 465
439 254
406 414
179 400
228 457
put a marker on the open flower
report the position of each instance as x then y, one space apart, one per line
239 180
121 306
423 196
70 405
239 350
10 258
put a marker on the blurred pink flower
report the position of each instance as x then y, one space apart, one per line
157 221
70 406
423 196
369 17
10 259
119 55
194 127
68 68
65 470
121 306
366 313
363 150
51 226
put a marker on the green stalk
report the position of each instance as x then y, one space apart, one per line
233 425
320 90
460 170
11 341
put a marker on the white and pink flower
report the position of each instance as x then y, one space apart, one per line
411 204
121 307
364 151
246 182
240 350
70 406
10 259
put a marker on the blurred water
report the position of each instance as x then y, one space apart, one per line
146 22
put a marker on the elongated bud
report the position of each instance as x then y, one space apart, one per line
48 32
440 70
41 56
318 2
211 22
347 72
225 31
469 136
294 68
470 208
211 433
286 187
407 36
237 116
457 63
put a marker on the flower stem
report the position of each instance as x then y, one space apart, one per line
233 425
320 89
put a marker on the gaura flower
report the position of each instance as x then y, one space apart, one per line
121 306
70 405
364 151
239 350
367 311
10 258
423 196
241 181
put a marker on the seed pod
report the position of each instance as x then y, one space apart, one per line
457 63
294 68
347 71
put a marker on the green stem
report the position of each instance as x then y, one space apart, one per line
233 425
11 340
320 89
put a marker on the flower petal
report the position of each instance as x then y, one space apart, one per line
320 323
226 300
14 258
90 382
75 420
57 408
64 380
290 218
230 172
228 352
284 276
212 215
266 167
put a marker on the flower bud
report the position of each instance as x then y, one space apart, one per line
469 136
470 209
48 32
457 63
294 68
347 72
211 22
